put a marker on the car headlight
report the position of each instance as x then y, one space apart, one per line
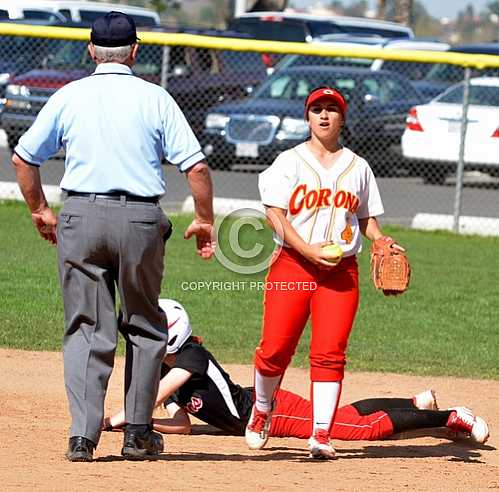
216 121
13 90
4 77
293 129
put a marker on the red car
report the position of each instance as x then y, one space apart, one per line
196 77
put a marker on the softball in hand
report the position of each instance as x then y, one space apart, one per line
334 253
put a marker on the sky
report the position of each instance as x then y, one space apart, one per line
450 8
436 8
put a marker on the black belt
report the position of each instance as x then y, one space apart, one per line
117 196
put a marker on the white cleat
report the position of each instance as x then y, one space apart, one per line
426 400
462 419
257 430
320 446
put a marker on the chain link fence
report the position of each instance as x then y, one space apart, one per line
244 100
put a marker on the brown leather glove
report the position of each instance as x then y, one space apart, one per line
390 269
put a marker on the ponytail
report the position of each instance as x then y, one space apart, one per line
197 339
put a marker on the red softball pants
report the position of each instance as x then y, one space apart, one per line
292 417
295 289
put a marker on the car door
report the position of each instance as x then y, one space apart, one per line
387 100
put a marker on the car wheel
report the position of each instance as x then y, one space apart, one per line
220 164
434 176
385 164
493 172
346 138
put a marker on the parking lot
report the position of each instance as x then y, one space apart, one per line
244 129
403 197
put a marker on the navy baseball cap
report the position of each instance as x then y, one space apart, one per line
114 29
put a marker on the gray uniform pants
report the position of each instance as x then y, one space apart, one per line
103 244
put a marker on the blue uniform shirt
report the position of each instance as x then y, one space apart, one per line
115 129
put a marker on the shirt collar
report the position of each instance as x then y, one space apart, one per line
113 68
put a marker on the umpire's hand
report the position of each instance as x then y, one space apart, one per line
46 222
205 238
199 180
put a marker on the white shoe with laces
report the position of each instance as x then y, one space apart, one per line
320 446
426 400
462 419
257 430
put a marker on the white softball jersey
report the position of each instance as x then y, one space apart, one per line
322 204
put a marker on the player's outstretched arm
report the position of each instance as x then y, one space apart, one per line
177 423
170 383
370 228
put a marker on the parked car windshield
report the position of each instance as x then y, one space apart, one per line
296 29
25 53
320 28
271 30
410 70
89 16
293 86
242 61
442 72
480 95
74 55
301 60
34 14
71 54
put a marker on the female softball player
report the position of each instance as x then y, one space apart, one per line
315 194
193 382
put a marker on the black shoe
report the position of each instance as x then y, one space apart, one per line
140 442
80 449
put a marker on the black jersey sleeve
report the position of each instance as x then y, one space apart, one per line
164 370
193 358
171 399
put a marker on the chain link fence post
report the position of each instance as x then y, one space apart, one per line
165 62
462 145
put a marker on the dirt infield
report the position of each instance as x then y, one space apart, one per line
34 422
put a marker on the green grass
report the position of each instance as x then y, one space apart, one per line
446 324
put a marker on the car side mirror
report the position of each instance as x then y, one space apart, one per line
181 71
44 64
370 99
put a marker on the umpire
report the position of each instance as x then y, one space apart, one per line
111 232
